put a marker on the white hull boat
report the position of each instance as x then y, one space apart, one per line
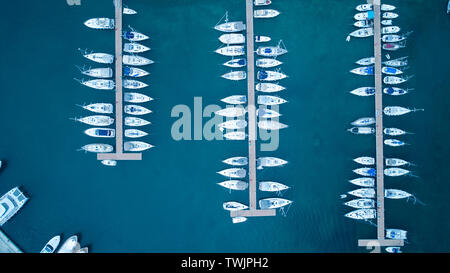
239 219
99 84
394 132
271 125
364 7
136 60
134 133
102 58
273 203
396 234
262 2
231 27
398 110
270 100
363 91
233 172
389 15
363 121
52 245
392 38
237 185
396 162
231 112
362 203
364 71
265 75
134 48
394 80
269 162
96 120
362 32
134 84
363 24
236 63
265 13
403 61
231 51
393 249
134 36
98 148
267 113
234 124
270 51
365 171
236 161
396 194
101 108
235 135
136 97
262 39
136 110
269 87
267 62
234 206
390 30
271 186
134 72
100 23
135 121
365 160
235 99
109 163
232 38
362 130
101 132
235 75
129 11
103 72
362 214
394 46
386 22
69 245
363 193
136 146
366 61
394 142
391 70
395 172
395 91
363 181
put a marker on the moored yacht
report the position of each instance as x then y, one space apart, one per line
363 193
51 246
271 186
108 162
96 120
134 133
232 124
269 87
129 11
396 234
100 84
390 30
395 171
134 72
10 204
233 172
365 171
363 121
234 185
136 146
364 71
362 33
236 26
136 60
135 121
362 130
237 135
270 100
363 181
266 75
394 132
365 160
136 97
232 38
396 162
396 194
270 51
133 84
267 113
97 148
394 249
239 219
394 46
262 2
265 13
402 61
135 48
231 51
136 110
234 206
100 23
236 161
362 203
391 70
271 125
394 142
273 203
362 214
102 72
396 91
269 161
363 91
398 110
102 108
69 245
267 62
236 63
389 15
262 39
100 132
134 36
235 75
231 112
366 61
235 99
102 58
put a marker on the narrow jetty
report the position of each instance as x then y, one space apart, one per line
119 155
252 211
381 239
6 245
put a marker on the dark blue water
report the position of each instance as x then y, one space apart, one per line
169 202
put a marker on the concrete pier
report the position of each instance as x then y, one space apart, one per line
6 245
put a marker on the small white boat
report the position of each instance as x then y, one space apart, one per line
129 11
134 84
231 112
96 120
389 15
234 185
267 63
267 113
362 214
394 131
235 99
363 91
266 75
395 80
271 186
102 72
102 108
136 97
398 110
265 13
365 160
262 39
236 161
363 121
97 148
396 91
362 130
134 72
393 249
273 203
364 7
109 163
366 171
135 121
234 206
402 61
232 38
134 36
136 110
386 22
269 87
134 133
262 2
363 181
235 135
366 15
362 33
394 142
100 132
394 46
235 75
69 245
233 172
271 51
270 100
363 193
386 7
363 24
390 30
52 245
136 146
239 219
134 48
234 124
395 171
362 203
271 125
100 23
366 61
396 162
364 71
269 161
232 51
231 26
396 194
392 38
236 63
396 234
100 84
102 58
391 70
136 60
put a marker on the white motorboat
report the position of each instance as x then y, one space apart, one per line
362 214
396 91
262 39
136 60
269 87
100 23
389 15
267 113
386 22
394 131
136 97
363 181
96 120
366 61
231 51
97 148
362 203
234 206
102 72
109 163
273 203
395 80
270 100
391 70
235 75
103 58
363 121
134 72
366 15
234 124
394 46
364 7
386 7
398 110
136 110
396 162
100 132
100 84
262 2
134 133
396 234
271 51
393 249
235 135
234 185
136 146
396 194
266 75
365 160
363 193
363 24
366 171
232 38
129 11
362 130
402 61
392 38
267 62
236 26
394 142
233 172
239 219
69 245
231 112
362 32
236 161
135 121
271 186
390 30
236 63
395 171
364 71
271 125
52 245
235 99
102 108
135 48
265 13
269 161
134 36
133 84
363 91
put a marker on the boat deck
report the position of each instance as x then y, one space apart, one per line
119 154
6 245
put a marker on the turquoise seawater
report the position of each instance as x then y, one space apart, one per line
169 201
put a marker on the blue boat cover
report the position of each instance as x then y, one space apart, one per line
267 50
370 14
369 70
391 70
262 74
241 61
372 172
126 71
129 35
103 132
390 90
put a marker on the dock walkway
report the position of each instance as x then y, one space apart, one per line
6 245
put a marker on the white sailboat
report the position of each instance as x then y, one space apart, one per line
363 121
100 84
134 133
101 108
269 161
231 112
96 120
363 181
362 214
363 193
231 51
393 132
97 148
236 63
100 23
362 203
136 60
135 48
395 171
134 72
232 38
135 121
269 87
235 75
136 110
267 113
234 206
265 13
134 36
267 62
136 146
396 162
233 172
394 142
271 125
134 84
235 99
102 72
398 110
235 135
234 124
396 194
100 132
102 58
234 185
271 186
136 97
270 100
273 203
236 161
365 160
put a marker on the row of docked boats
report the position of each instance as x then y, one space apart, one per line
71 245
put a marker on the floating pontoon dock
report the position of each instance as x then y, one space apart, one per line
6 245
